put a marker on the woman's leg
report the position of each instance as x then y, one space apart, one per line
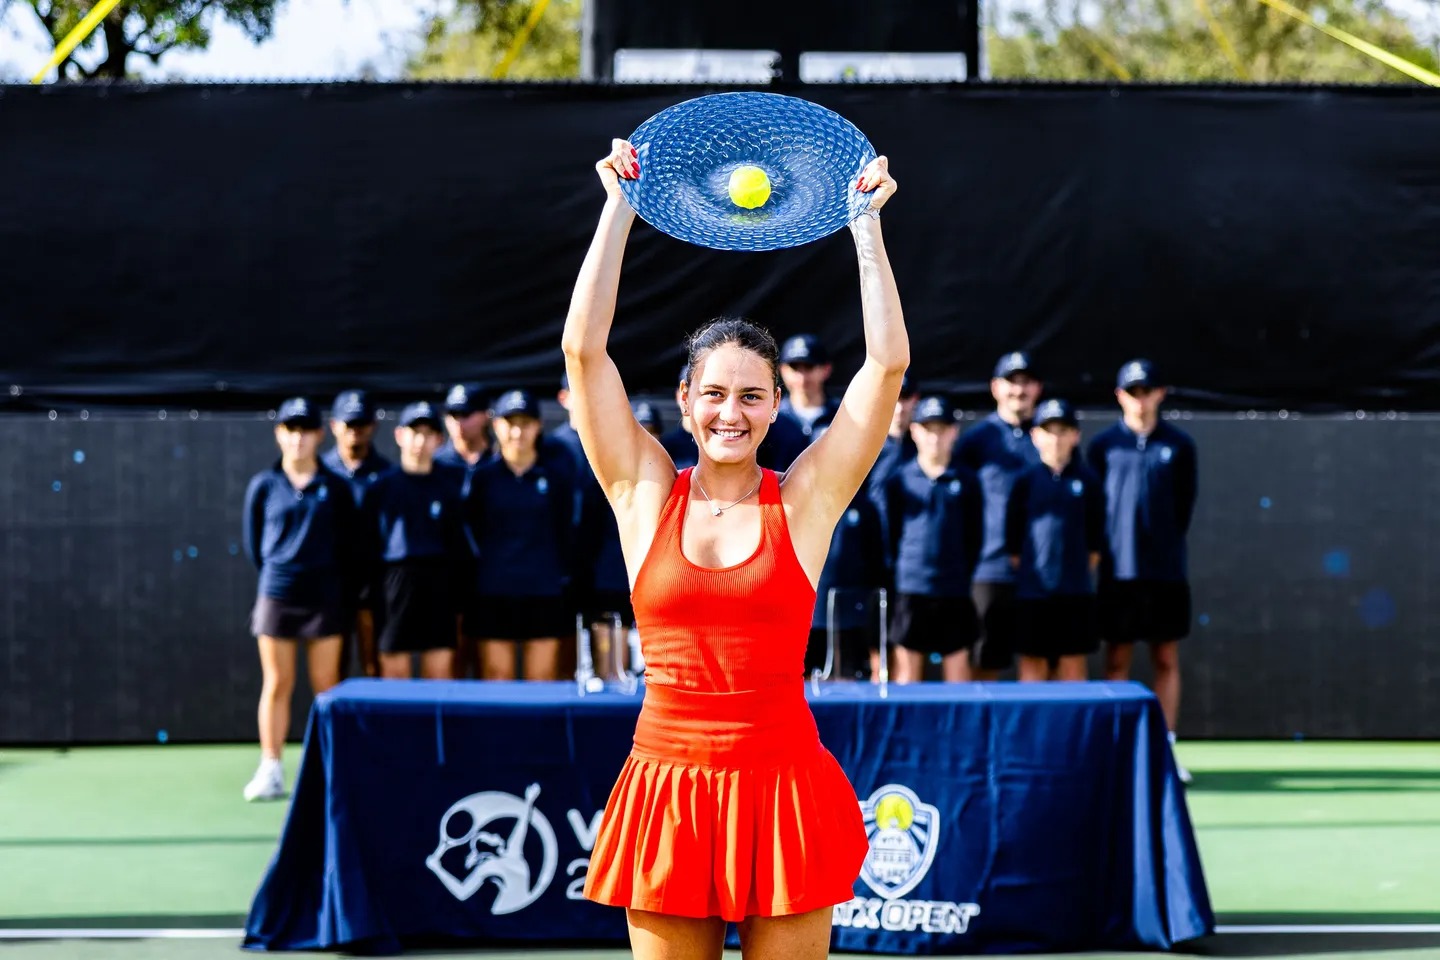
277 667
657 936
804 936
1032 669
438 664
541 658
395 666
497 659
909 666
1071 668
322 658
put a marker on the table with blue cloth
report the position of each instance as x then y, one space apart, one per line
1002 818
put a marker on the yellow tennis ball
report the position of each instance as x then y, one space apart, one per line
749 187
894 811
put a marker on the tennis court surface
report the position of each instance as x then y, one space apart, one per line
1311 850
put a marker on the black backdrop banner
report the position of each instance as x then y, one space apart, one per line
222 246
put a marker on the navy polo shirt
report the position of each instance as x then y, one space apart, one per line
810 429
935 529
681 447
302 541
362 476
415 516
997 452
1054 523
600 541
566 437
448 456
896 452
784 441
1150 485
522 527
855 566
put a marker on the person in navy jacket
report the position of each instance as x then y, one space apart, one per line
421 559
899 446
997 449
354 457
933 510
352 422
1054 530
1149 469
805 369
855 569
467 424
300 532
520 508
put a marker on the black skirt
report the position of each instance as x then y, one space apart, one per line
416 608
285 620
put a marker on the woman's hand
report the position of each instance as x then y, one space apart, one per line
623 162
875 180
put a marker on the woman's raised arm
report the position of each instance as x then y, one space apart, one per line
619 450
824 479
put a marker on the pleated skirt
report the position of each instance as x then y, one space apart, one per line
728 806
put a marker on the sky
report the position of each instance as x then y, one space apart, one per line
313 39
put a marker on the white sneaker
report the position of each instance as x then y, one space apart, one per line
268 782
1180 771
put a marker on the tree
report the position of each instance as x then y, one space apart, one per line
148 28
1198 40
473 39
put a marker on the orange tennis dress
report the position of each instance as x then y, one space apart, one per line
728 805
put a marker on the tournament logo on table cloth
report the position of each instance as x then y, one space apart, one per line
903 835
495 855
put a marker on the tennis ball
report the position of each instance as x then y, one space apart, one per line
749 187
894 811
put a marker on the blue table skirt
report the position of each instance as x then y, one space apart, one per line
1010 818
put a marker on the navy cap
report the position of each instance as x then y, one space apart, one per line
299 412
1136 373
423 412
1053 410
804 348
465 399
934 409
1011 364
646 415
515 403
353 406
907 386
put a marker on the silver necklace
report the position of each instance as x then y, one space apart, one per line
715 508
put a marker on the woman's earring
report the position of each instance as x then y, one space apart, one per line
773 415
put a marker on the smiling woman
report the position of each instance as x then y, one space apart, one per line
728 809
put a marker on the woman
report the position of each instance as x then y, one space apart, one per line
728 808
521 509
420 552
299 530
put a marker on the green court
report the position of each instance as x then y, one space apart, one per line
1294 835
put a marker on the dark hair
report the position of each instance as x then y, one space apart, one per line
724 331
